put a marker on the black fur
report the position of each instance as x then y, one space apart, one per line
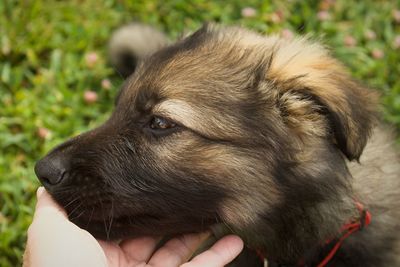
125 179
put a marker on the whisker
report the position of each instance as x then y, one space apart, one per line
67 189
79 215
72 201
74 209
104 219
130 220
227 225
111 217
90 218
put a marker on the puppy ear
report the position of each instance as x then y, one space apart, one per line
308 69
350 110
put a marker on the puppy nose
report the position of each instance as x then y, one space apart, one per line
51 171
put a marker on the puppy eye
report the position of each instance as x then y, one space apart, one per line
159 123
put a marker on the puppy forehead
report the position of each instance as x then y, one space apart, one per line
203 85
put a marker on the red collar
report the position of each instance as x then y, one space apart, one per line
346 230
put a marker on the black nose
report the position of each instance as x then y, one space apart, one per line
52 171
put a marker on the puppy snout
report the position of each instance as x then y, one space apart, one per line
52 170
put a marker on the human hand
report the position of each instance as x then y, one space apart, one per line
54 241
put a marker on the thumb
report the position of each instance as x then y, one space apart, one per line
46 202
55 241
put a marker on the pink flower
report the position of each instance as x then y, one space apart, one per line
91 59
106 84
276 17
377 53
350 41
396 15
396 42
90 97
248 12
287 34
326 4
43 133
323 15
370 35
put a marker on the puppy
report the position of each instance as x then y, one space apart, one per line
261 135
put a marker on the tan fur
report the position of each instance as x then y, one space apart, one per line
377 179
265 128
299 72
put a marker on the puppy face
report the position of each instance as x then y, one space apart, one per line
224 126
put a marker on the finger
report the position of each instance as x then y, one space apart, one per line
51 235
45 201
113 253
139 249
40 191
220 254
177 250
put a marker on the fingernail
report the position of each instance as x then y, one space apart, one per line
40 191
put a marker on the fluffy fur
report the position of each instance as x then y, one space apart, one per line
265 132
131 43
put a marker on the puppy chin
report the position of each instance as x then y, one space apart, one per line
141 225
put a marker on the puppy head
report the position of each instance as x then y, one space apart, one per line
223 126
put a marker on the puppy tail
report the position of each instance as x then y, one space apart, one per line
132 42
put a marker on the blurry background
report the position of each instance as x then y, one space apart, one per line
55 80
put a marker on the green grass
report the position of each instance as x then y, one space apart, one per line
44 72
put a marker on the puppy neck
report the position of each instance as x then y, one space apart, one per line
301 224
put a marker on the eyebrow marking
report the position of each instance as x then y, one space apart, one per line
177 110
201 120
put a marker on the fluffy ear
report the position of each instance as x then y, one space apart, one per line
307 68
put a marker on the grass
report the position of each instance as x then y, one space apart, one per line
48 64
